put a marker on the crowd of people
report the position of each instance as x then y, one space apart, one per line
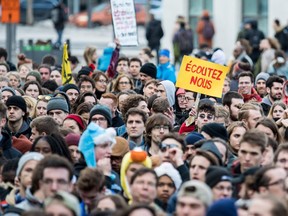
123 140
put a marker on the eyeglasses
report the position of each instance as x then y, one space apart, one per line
124 83
209 116
165 147
182 97
159 127
278 182
44 97
101 119
103 81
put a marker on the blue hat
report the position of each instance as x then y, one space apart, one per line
164 52
94 135
222 207
193 137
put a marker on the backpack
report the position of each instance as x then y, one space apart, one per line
185 41
208 30
254 38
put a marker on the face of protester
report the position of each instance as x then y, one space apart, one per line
58 115
23 71
86 86
204 118
144 78
45 74
260 207
57 209
253 118
149 90
165 188
55 179
261 87
161 92
90 197
235 137
143 106
56 76
122 67
41 108
124 84
190 206
245 85
282 160
167 152
135 126
132 168
222 190
163 59
3 70
71 124
31 78
143 189
121 100
103 151
249 156
25 176
6 95
181 101
266 130
72 95
276 91
234 108
134 68
101 84
198 168
32 90
43 147
100 120
226 87
278 112
14 114
189 100
90 99
3 84
158 132
268 157
13 81
75 153
143 56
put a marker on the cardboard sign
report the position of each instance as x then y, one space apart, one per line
124 22
201 76
10 11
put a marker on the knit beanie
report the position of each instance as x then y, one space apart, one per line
102 110
22 143
164 52
168 169
68 86
149 69
170 91
57 103
78 119
27 157
216 174
17 101
7 88
36 74
211 147
193 137
72 139
87 71
198 190
215 130
263 76
121 147
222 207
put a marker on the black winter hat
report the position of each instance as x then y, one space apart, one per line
84 71
149 69
211 147
17 101
216 174
70 86
215 130
101 110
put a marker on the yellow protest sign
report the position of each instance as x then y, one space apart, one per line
201 76
66 68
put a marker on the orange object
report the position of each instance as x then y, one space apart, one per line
10 11
138 156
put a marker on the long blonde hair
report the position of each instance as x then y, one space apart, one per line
88 55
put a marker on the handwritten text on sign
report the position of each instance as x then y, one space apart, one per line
201 76
124 22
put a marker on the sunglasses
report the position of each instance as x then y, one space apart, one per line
209 116
165 147
44 97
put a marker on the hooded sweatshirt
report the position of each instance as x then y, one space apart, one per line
170 91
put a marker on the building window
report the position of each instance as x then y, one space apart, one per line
196 8
256 10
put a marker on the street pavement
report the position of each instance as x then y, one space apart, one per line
98 37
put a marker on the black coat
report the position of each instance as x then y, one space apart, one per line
6 144
154 33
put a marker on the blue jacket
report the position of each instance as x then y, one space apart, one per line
166 72
104 60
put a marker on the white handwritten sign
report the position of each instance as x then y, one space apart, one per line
124 22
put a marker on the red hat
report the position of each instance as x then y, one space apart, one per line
78 119
72 139
180 91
